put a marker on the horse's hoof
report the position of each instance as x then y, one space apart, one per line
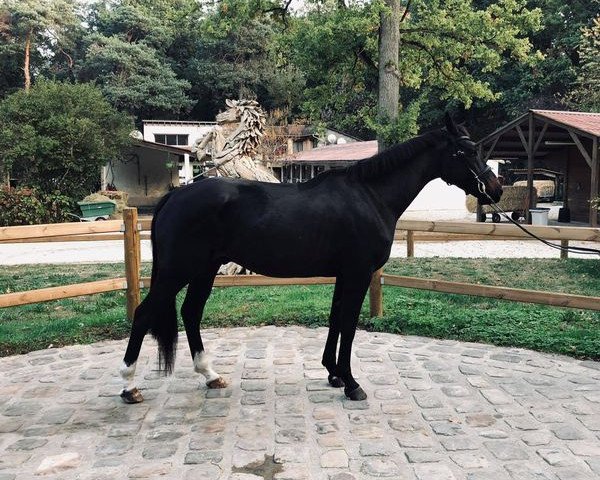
132 396
356 394
217 383
335 382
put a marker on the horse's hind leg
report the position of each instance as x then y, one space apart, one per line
139 328
192 309
156 313
329 353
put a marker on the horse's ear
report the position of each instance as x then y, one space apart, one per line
450 125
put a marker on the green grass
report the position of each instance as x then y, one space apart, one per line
92 318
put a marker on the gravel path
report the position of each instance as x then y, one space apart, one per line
112 251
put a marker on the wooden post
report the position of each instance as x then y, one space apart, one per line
376 295
530 160
595 166
410 244
132 259
564 253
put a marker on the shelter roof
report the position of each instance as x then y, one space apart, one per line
346 152
586 122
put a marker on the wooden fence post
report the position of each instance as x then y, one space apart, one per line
564 253
132 259
410 243
376 295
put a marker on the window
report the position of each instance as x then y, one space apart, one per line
171 139
298 146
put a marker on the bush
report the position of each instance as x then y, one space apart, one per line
26 206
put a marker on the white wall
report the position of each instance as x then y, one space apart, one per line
146 176
438 201
194 130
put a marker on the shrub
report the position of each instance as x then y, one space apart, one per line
26 206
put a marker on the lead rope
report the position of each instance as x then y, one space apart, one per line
496 207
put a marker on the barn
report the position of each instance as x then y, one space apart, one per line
552 144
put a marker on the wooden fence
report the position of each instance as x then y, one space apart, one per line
130 231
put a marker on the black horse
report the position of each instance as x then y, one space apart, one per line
340 224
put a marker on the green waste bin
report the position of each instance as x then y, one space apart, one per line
96 210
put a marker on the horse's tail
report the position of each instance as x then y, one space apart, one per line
163 326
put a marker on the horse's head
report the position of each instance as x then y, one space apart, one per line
464 168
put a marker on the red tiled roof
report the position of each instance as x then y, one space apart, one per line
349 152
586 122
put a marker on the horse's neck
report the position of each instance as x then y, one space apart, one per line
400 187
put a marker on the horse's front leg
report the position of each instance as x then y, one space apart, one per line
329 353
353 294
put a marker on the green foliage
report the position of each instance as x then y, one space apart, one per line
49 27
134 78
447 47
29 207
56 137
586 94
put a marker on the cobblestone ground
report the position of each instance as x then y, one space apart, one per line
437 410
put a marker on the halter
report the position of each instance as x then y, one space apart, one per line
478 175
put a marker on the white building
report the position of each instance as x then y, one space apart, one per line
178 134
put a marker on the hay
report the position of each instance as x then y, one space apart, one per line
545 188
513 198
116 197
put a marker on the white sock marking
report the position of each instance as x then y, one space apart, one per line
202 365
127 374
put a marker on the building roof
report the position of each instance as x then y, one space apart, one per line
178 122
345 152
586 122
179 150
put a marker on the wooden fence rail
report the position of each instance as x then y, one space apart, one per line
130 231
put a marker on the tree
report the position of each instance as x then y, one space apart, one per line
586 94
237 56
134 78
56 137
125 53
445 46
36 23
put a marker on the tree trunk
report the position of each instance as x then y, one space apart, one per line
389 81
26 68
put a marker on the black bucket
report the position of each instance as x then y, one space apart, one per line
564 215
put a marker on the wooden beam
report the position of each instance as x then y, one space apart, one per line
93 237
491 149
503 230
540 138
595 182
530 159
581 148
259 281
65 291
501 293
410 244
59 229
524 141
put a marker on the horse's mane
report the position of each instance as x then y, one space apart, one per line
390 159
384 162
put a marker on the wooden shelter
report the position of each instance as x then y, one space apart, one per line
558 141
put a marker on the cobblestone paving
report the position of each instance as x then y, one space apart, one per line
437 410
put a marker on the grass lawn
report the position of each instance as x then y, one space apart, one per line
97 317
